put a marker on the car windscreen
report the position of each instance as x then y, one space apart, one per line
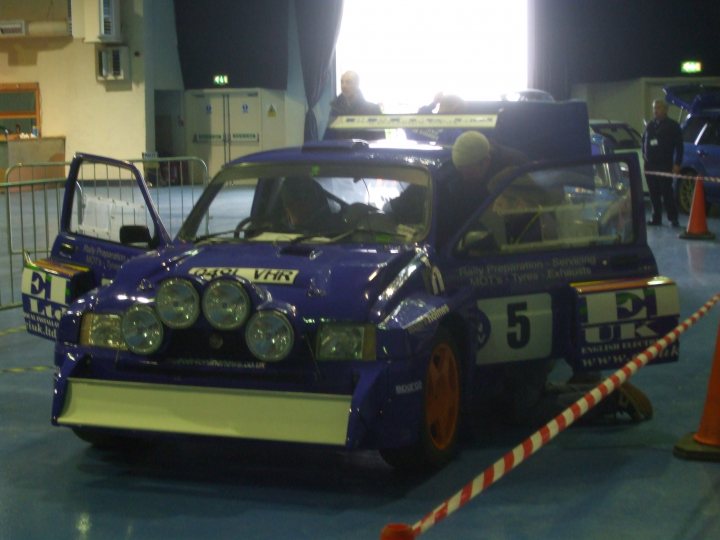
312 203
622 136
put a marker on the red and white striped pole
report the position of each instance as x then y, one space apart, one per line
545 434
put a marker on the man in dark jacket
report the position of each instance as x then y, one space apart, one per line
662 152
351 101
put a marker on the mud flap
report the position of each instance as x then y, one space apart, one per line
615 320
48 287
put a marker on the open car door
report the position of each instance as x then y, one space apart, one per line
107 218
559 262
693 97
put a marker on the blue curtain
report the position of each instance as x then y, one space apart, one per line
248 41
318 24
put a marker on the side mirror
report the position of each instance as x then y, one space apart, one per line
135 235
476 241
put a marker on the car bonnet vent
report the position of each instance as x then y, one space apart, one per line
300 250
343 145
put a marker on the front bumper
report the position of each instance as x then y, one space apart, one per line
382 408
225 412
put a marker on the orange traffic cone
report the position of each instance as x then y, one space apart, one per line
697 225
705 444
397 531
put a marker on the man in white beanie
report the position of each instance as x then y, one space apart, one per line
477 161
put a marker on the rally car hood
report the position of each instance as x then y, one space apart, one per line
339 281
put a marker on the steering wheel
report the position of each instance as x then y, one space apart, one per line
357 211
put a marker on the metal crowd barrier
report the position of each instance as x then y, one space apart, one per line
31 200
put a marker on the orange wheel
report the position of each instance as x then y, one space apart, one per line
438 435
442 397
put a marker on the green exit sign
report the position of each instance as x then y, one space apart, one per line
691 66
221 80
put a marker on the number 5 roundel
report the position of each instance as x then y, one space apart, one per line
514 328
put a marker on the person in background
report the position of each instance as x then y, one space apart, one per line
662 152
445 104
431 107
351 101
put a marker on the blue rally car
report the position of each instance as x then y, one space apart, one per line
350 324
701 136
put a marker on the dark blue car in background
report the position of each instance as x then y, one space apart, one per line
701 134
357 327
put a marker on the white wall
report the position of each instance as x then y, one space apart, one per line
118 118
111 118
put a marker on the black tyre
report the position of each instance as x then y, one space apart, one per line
684 190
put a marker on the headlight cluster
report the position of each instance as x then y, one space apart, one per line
346 342
102 330
269 336
177 303
225 304
142 329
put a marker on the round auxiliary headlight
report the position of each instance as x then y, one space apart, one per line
177 303
141 329
225 304
269 336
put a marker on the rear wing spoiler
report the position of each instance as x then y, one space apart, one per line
541 130
415 121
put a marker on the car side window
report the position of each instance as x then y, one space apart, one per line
711 134
108 205
555 209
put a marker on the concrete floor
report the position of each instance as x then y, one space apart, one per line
618 481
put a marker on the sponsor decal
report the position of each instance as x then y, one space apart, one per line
484 329
44 297
271 276
617 324
101 258
214 363
45 286
428 318
514 328
530 271
408 388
